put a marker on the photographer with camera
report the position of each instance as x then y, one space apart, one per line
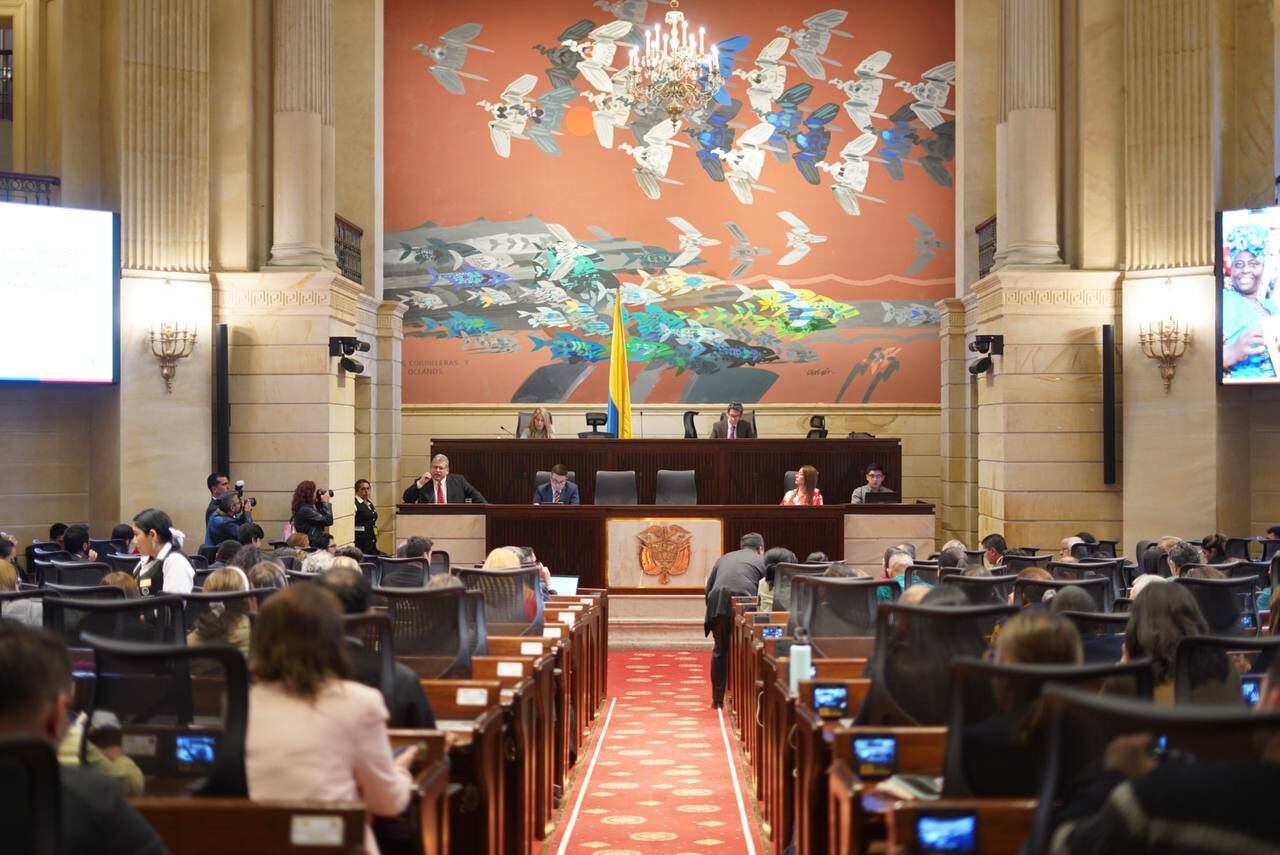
312 511
230 513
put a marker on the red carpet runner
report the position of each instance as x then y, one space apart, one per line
661 772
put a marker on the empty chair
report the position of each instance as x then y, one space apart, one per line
983 590
95 592
430 624
824 606
208 553
105 547
372 651
789 480
1091 569
1029 591
817 428
156 620
1107 549
676 487
510 596
1238 547
31 792
616 488
994 715
1101 633
372 572
83 574
123 563
1229 606
402 572
784 575
1210 669
1241 569
199 562
1018 563
690 429
202 734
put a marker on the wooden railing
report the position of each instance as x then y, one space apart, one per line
346 246
986 246
29 189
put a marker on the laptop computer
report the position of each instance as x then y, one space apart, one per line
885 497
565 585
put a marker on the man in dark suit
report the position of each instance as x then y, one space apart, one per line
733 426
559 490
736 574
218 483
438 487
76 541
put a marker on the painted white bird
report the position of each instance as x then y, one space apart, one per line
799 239
450 56
745 161
654 158
743 251
611 110
511 116
850 174
567 251
628 10
597 52
864 90
769 78
932 93
812 41
691 241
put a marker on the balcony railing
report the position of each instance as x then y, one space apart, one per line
29 189
986 246
346 246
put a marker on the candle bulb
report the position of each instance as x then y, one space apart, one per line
701 40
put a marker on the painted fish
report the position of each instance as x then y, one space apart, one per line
492 297
423 300
675 282
545 317
740 353
491 344
909 315
654 324
638 295
469 277
568 347
544 293
459 325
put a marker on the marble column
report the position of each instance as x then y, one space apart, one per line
385 417
302 147
1027 135
957 515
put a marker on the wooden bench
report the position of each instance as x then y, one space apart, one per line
216 826
813 735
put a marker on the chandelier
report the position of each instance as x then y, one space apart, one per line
674 74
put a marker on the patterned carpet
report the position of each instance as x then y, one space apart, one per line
657 775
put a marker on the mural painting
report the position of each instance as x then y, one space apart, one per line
785 244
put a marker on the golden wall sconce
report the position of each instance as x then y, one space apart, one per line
1165 341
169 343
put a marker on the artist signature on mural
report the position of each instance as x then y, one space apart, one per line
818 372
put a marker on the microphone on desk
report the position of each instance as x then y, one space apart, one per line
503 428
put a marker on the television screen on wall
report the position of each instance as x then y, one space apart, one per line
1248 269
59 288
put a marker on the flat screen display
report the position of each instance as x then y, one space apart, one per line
59 284
1248 269
947 833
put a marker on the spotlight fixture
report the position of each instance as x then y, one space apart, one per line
988 346
982 366
344 346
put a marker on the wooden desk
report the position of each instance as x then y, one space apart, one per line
571 539
738 471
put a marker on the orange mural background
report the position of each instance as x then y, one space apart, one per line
441 169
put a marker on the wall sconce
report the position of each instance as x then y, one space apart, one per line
1164 341
169 343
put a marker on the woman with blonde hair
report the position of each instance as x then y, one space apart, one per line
539 426
806 490
224 621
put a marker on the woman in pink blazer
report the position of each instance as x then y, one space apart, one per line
315 735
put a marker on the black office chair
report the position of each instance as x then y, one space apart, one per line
1270 549
1207 669
439 563
123 563
616 488
595 421
154 620
208 553
543 476
1229 606
369 639
431 623
31 795
789 480
1030 591
83 574
784 574
817 428
676 487
403 572
690 429
198 562
824 606
105 546
1101 633
983 590
1018 563
1238 547
150 685
510 596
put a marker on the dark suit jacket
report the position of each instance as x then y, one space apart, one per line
96 819
456 491
736 574
409 705
568 495
746 430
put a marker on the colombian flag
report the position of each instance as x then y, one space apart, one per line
619 381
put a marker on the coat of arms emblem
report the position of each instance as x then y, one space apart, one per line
664 551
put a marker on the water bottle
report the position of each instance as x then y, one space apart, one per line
801 655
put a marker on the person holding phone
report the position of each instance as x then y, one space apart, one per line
312 510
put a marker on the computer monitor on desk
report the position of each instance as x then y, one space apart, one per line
565 585
883 497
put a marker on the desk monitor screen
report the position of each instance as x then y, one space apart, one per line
831 701
947 832
1251 689
565 586
885 497
194 751
875 756
772 631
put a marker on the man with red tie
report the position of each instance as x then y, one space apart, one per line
559 490
438 487
732 426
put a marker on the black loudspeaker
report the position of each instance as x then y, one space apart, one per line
1108 404
221 400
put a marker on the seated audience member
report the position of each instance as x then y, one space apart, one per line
297 540
1034 574
314 735
559 490
1072 599
251 534
440 580
76 541
976 571
909 548
875 484
816 558
953 557
56 531
733 426
539 426
227 551
164 569
993 549
914 595
511 558
806 491
103 751
224 524
1142 582
35 702
1220 606
1142 803
953 542
1004 755
1164 615
895 568
1181 554
123 532
267 574
311 513
317 562
346 562
248 557
325 543
437 486
772 558
1086 537
1064 548
28 611
353 552
125 582
841 570
409 706
226 622
1214 547
411 575
1273 532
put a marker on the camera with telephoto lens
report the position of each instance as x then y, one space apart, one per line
322 492
251 501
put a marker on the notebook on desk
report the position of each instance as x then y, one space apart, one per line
565 585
